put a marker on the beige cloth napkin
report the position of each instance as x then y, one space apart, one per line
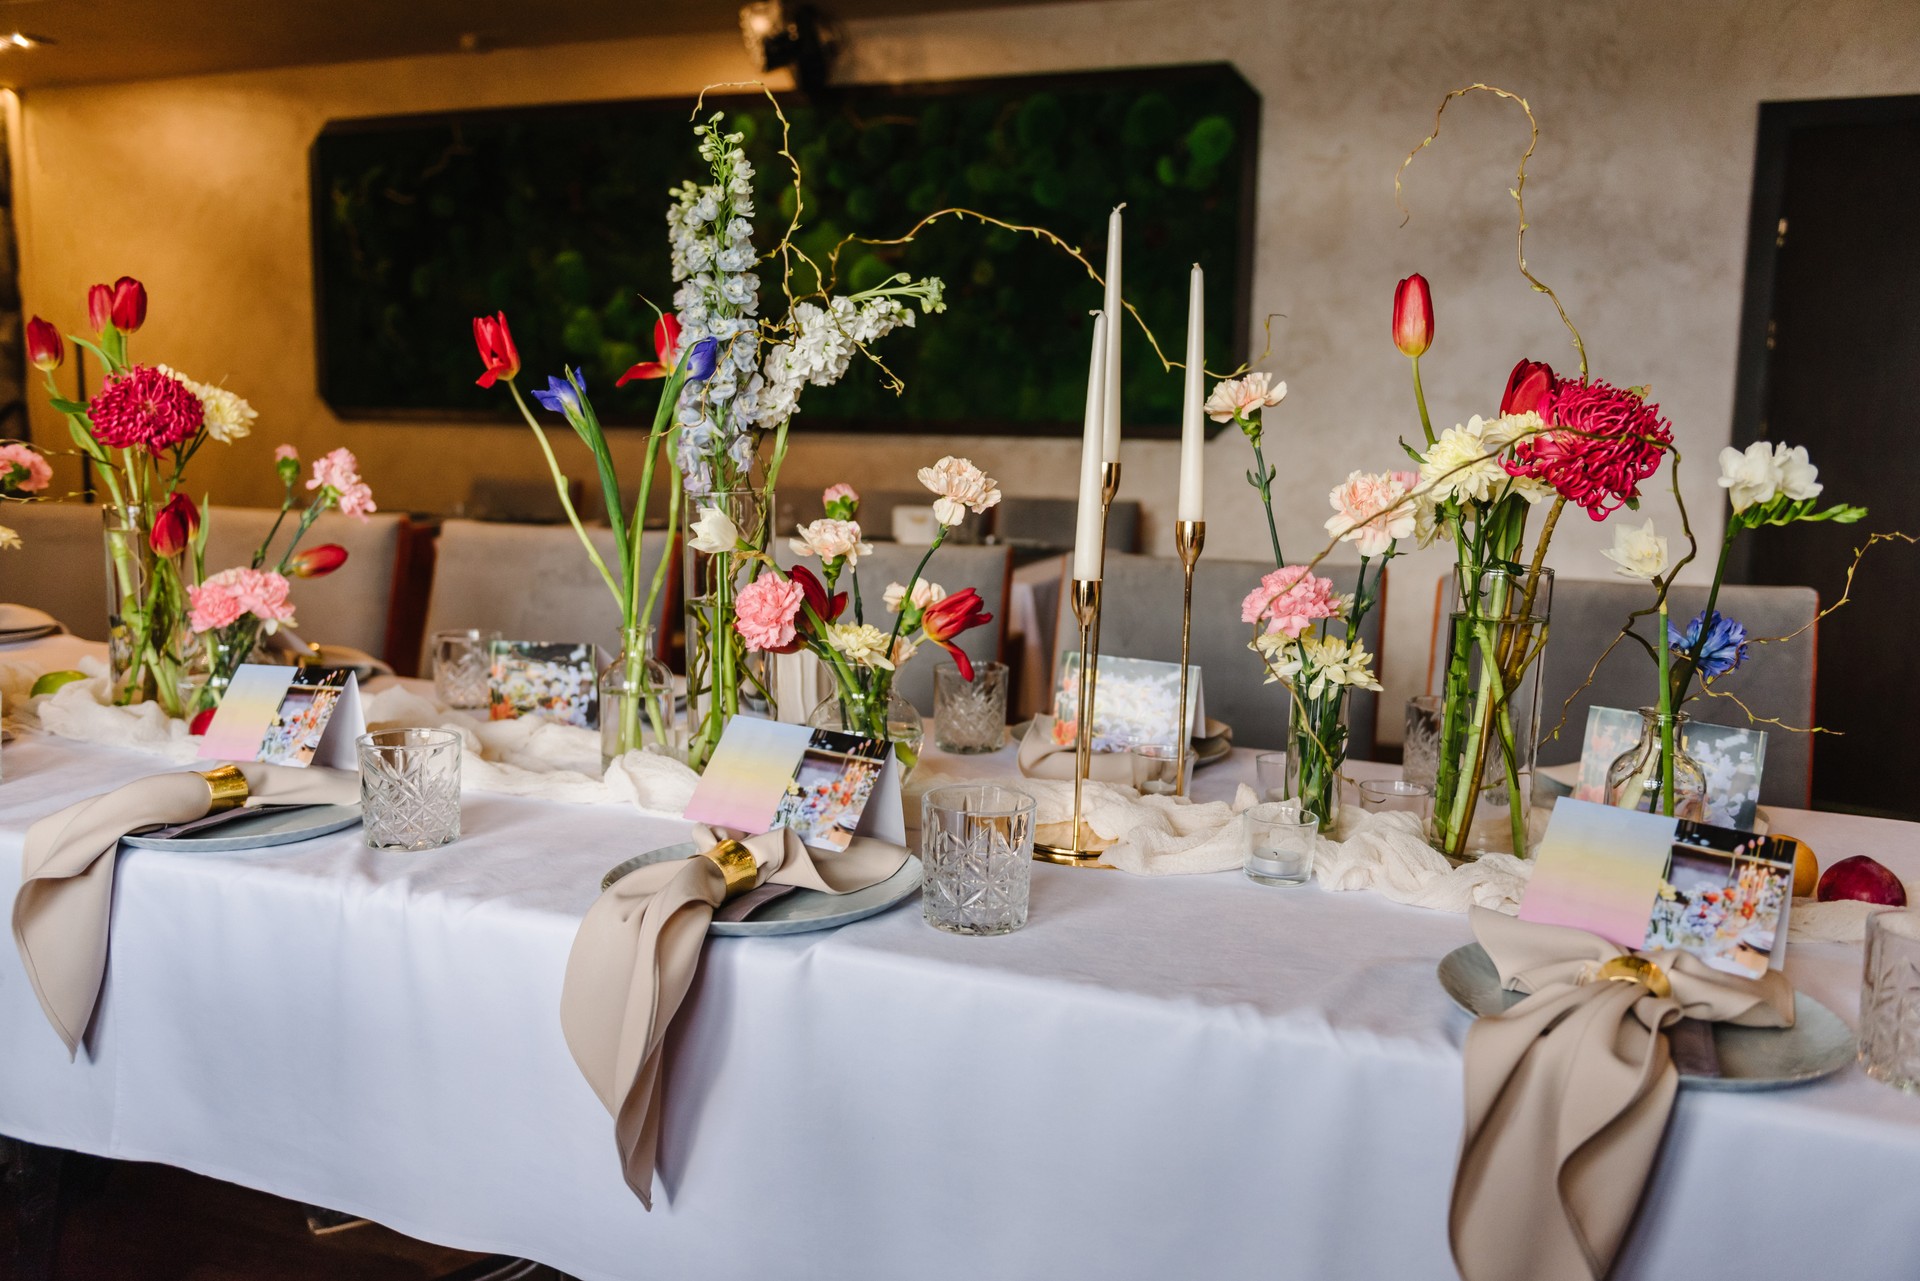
1567 1095
61 911
635 956
1041 757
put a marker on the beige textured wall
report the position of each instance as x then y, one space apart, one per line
1638 201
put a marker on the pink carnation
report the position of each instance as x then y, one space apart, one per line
1291 600
339 472
1372 511
145 408
233 593
765 610
23 470
283 452
840 491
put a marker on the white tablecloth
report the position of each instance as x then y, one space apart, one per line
1167 1078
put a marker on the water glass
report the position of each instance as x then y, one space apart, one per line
410 788
1280 841
1890 1000
1270 776
1420 743
976 845
1397 796
1157 769
460 661
970 717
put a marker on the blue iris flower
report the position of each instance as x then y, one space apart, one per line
1726 646
562 395
702 359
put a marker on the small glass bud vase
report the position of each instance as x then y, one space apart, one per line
636 701
876 715
1636 777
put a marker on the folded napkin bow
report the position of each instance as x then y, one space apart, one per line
62 909
638 949
1567 1093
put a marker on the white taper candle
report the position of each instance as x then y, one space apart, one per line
1116 314
1193 419
1088 554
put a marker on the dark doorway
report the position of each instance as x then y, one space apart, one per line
1830 359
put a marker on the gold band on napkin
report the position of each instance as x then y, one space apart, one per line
1041 757
638 949
62 909
1568 1092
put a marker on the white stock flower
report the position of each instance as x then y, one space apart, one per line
1638 553
830 539
714 532
863 643
961 488
924 594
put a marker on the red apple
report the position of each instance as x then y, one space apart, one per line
1861 878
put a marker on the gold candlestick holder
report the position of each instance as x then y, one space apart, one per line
1189 536
1109 486
1086 610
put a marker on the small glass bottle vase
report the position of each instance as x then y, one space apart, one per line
1637 778
636 701
885 716
1316 751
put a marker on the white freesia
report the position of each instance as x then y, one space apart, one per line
1750 476
961 488
862 643
831 539
1799 478
924 594
1638 553
228 416
714 532
1241 397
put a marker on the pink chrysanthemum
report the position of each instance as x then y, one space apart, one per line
1291 600
228 595
144 408
1613 442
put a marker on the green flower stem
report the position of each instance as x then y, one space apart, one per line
1264 482
1666 716
1420 399
566 500
906 601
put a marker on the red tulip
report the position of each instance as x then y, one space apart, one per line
129 306
100 307
175 526
827 608
1412 316
317 562
945 619
1530 389
495 341
666 349
45 348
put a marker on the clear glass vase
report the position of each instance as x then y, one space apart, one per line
636 700
1316 750
151 651
212 659
878 714
1637 778
1490 710
724 678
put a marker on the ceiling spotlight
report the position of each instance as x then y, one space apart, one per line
797 36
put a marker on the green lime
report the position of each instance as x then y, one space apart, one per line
54 680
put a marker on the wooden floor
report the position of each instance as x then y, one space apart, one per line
123 1221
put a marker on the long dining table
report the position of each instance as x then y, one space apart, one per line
1183 1076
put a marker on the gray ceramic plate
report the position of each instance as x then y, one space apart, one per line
256 831
800 911
1751 1058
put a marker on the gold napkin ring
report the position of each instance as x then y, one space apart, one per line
228 788
736 863
1636 969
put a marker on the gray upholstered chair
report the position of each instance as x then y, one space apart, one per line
1140 618
530 582
531 499
988 570
1049 523
1776 681
60 566
351 606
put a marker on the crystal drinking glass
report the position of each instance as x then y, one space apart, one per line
970 717
410 788
1420 743
460 661
1890 1000
976 842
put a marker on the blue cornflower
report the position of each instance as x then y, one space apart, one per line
1726 646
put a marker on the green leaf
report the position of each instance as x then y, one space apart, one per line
65 406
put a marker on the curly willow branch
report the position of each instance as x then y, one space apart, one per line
1519 186
1846 592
